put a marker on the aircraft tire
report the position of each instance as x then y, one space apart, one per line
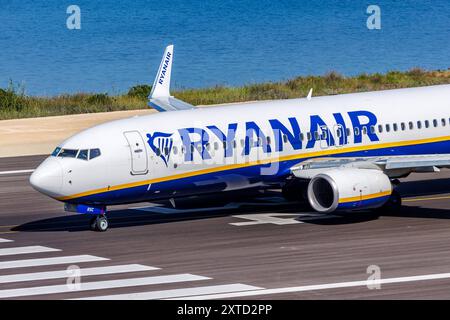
99 223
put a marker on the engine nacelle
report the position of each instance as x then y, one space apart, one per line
349 189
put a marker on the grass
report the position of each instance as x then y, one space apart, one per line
15 104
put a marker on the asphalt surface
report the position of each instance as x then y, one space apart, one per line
253 246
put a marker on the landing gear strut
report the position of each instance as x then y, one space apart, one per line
394 203
99 223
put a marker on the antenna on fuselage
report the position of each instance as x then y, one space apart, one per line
309 94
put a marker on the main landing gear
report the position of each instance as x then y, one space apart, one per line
99 223
394 203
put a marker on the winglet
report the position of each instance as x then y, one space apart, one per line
310 94
161 85
160 98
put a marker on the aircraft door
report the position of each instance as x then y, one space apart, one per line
339 136
139 158
324 137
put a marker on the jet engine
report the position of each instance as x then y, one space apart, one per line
348 189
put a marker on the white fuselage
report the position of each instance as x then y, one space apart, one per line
238 146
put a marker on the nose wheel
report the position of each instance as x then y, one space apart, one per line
99 223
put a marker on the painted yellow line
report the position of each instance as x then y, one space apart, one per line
426 199
366 197
259 162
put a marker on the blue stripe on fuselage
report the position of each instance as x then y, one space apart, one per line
218 180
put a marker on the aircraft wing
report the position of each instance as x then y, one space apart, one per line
389 164
160 98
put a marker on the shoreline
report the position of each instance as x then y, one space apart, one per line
14 104
39 135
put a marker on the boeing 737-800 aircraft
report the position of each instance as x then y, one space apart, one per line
343 152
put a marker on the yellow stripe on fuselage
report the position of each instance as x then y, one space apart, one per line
334 151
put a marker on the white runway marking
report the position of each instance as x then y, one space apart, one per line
319 287
16 172
83 273
98 285
279 218
173 293
5 240
25 250
49 261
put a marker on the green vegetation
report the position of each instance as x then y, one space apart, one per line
15 104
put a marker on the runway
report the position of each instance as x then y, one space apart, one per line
254 247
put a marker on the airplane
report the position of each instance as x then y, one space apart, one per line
343 153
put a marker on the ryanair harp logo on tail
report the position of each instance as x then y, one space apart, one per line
161 143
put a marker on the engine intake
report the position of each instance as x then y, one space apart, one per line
349 189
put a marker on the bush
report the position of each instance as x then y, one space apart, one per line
9 100
100 99
140 91
333 76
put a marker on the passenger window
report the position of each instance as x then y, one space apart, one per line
388 128
302 137
435 123
357 131
419 124
411 125
316 135
372 129
55 153
403 126
268 140
94 153
309 136
83 155
364 130
285 138
427 124
380 128
444 123
175 150
216 146
349 132
395 126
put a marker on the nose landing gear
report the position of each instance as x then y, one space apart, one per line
99 223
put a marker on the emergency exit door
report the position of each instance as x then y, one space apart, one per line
139 159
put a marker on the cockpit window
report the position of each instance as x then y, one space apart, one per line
55 153
94 153
83 154
68 153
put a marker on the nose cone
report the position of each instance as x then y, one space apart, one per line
48 177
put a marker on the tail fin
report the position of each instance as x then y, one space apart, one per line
160 98
161 85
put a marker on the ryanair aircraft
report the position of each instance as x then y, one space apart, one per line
340 153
